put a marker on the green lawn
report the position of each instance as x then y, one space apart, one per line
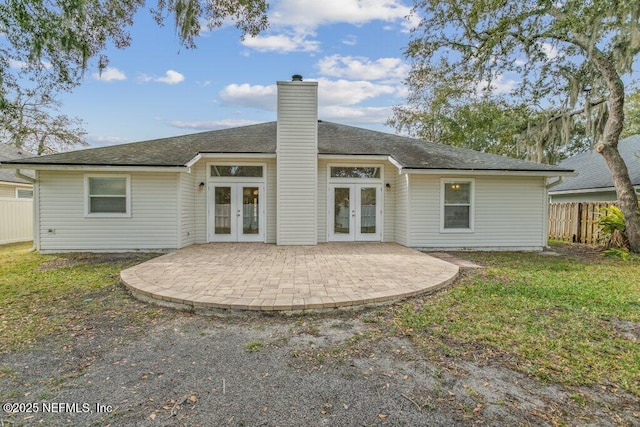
573 320
43 295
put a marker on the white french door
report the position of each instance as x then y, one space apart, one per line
236 212
355 212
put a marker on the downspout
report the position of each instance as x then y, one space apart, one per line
555 183
24 177
36 226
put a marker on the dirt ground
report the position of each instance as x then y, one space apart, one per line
346 368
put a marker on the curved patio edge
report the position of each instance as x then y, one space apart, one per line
218 278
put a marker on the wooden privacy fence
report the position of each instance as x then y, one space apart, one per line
576 222
16 220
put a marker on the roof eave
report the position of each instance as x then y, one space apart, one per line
586 190
487 172
83 166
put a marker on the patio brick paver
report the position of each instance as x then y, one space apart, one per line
264 277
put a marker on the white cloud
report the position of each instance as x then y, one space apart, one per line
373 115
347 92
293 23
17 65
313 13
363 68
350 40
284 43
330 93
246 95
211 124
171 77
109 74
549 50
499 86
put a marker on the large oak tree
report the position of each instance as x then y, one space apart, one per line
567 56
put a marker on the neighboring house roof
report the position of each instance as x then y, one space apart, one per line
593 172
333 139
8 152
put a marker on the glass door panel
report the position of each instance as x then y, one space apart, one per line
251 210
222 207
368 212
368 208
342 210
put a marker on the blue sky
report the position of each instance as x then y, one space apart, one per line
155 88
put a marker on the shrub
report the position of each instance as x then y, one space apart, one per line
613 228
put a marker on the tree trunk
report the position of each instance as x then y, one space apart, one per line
627 197
41 145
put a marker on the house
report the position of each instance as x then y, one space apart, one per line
593 182
10 185
16 200
296 181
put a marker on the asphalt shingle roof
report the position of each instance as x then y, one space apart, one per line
333 138
593 171
8 152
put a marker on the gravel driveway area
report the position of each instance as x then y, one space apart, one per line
343 369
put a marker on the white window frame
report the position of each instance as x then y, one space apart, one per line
87 197
211 178
472 191
337 180
331 182
212 181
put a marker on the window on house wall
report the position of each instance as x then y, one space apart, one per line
236 171
457 206
108 195
24 193
355 172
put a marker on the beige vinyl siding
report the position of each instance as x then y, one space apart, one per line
7 191
323 208
297 163
509 214
186 209
64 227
272 202
401 207
389 212
199 172
16 220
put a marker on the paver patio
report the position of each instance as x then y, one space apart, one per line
258 276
